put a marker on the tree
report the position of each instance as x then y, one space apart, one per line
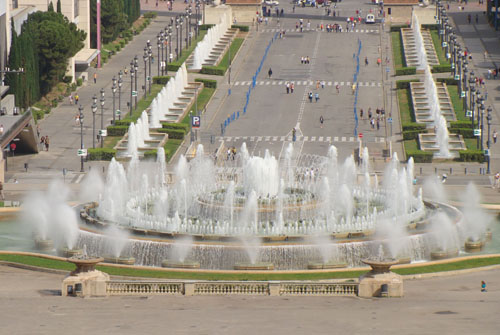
51 7
114 19
59 6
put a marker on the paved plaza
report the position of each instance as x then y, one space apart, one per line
29 304
30 301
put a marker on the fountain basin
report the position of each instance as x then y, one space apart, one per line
380 266
66 252
119 260
443 254
473 245
44 244
323 266
254 266
186 264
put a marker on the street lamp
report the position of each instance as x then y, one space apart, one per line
132 73
94 110
488 142
482 124
113 90
145 57
181 21
170 55
150 58
80 116
102 117
120 83
478 104
188 27
177 38
136 68
159 44
472 84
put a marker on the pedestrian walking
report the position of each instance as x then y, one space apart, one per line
317 84
322 84
469 18
310 96
321 120
294 134
366 61
316 96
95 77
353 88
76 99
71 99
378 124
495 134
42 142
287 88
37 130
485 55
370 113
337 87
372 123
1 191
361 113
47 142
483 283
270 72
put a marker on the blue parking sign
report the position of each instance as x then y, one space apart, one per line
196 121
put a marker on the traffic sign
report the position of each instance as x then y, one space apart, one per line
486 152
148 78
468 114
462 94
103 132
444 44
82 152
448 55
118 112
196 122
387 69
134 93
457 77
360 135
389 119
477 132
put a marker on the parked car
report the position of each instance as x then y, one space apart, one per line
370 18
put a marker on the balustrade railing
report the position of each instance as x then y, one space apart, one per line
144 288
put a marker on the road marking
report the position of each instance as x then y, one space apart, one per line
329 139
343 139
320 139
336 139
79 179
313 139
351 139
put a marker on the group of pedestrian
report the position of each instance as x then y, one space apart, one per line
374 119
305 60
74 99
311 96
290 87
231 153
44 142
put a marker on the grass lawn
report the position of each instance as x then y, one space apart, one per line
405 104
457 102
165 274
235 46
439 50
142 104
397 49
471 143
111 141
411 145
187 51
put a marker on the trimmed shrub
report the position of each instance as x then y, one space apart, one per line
471 156
419 156
404 71
117 130
122 43
37 114
412 134
399 26
206 26
213 70
100 154
151 154
447 81
79 82
432 26
404 84
150 15
460 124
441 68
179 126
465 132
414 126
177 134
67 79
173 66
241 27
210 83
161 80
123 122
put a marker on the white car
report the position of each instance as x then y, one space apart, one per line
370 18
271 2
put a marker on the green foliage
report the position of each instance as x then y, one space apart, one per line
439 50
100 154
405 84
38 114
414 126
441 68
397 28
397 49
178 126
405 106
404 71
213 70
412 134
173 133
150 15
465 132
123 122
117 130
151 154
206 26
460 124
79 82
207 82
174 66
420 156
241 27
433 26
161 80
471 155
50 8
447 81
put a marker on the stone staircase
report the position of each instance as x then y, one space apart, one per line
218 51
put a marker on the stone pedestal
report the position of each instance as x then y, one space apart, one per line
86 284
370 285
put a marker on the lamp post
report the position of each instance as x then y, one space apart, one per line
170 28
188 27
472 84
158 44
465 70
80 110
150 58
136 68
482 124
94 110
177 38
488 142
113 90
120 83
472 103
181 21
132 74
478 104
145 57
459 69
197 10
102 116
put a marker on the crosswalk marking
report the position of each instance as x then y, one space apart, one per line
276 30
305 83
375 139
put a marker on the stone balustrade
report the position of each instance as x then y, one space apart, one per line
232 288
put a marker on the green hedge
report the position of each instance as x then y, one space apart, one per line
432 26
174 66
404 84
177 134
161 80
441 68
465 132
419 156
241 27
125 122
151 154
406 71
117 130
398 27
206 26
213 70
471 156
414 126
178 126
460 124
150 15
447 81
412 134
207 82
100 154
